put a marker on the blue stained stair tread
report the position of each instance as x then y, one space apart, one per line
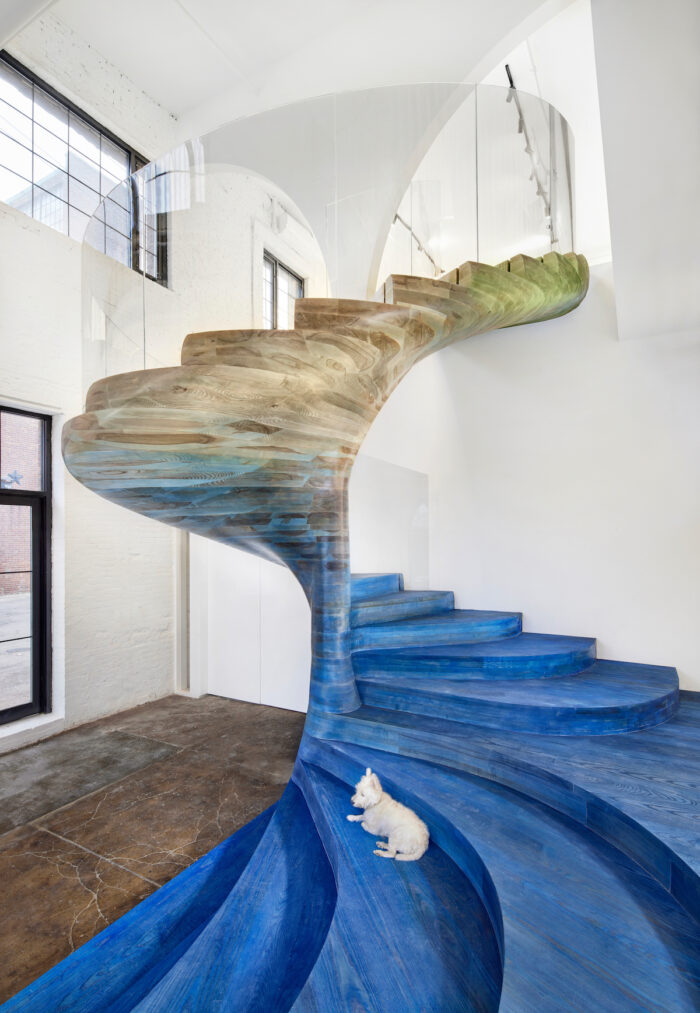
584 927
405 936
517 657
96 977
259 947
400 605
457 626
640 791
369 585
609 696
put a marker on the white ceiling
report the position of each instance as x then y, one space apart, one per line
207 61
183 52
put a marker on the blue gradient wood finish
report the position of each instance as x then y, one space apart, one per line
251 440
371 585
584 927
406 936
607 697
400 605
457 627
524 656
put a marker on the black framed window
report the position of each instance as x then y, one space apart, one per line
280 288
57 164
25 564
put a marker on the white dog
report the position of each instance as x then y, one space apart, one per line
383 815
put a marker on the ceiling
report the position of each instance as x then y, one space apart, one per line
206 61
182 52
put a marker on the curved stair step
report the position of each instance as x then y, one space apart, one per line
524 656
455 627
610 696
388 608
584 927
257 950
404 936
155 933
611 784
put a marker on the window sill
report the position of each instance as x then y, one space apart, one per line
28 730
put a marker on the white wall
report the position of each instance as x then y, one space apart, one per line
564 479
113 635
113 572
649 82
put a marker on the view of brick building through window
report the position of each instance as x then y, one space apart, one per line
20 469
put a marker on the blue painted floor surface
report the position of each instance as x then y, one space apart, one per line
562 795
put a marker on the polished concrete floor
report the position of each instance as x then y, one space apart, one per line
95 819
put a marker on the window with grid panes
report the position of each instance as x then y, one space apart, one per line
57 166
280 289
25 559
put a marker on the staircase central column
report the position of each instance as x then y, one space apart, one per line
332 680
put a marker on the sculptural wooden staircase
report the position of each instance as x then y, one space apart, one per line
563 871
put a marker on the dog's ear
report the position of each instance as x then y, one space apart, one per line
368 772
376 782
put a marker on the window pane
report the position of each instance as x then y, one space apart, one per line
15 605
118 247
84 170
50 147
117 218
15 673
268 281
15 599
115 160
49 178
15 157
84 139
50 114
15 191
50 210
15 89
15 124
20 453
82 197
77 223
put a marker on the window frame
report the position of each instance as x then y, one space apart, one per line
136 161
276 263
40 502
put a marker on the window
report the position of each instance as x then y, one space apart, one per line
280 288
57 165
25 556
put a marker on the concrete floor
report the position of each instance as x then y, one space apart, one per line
95 819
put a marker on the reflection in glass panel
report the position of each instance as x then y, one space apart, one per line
15 604
77 223
15 673
289 288
268 294
20 456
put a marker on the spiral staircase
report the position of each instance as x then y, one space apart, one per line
563 870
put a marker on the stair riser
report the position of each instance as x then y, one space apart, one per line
518 718
361 616
469 633
371 585
481 669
